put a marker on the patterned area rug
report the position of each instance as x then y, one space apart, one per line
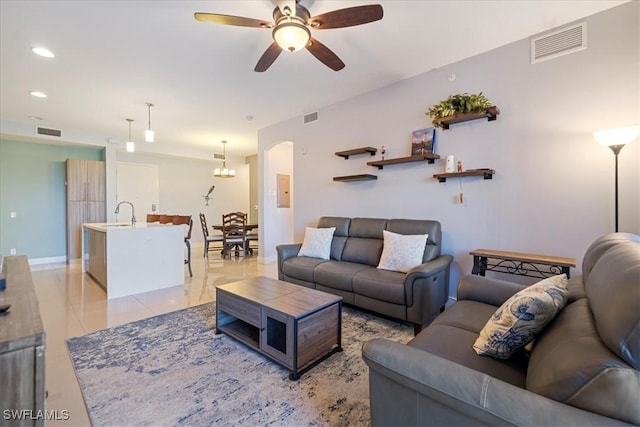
173 369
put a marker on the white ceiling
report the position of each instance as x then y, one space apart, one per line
114 56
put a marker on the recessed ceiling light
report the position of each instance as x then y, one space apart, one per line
43 51
38 94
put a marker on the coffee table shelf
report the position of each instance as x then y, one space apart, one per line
295 326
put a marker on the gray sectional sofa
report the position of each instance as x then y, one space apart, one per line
583 369
416 296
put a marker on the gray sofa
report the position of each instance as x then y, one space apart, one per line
416 296
582 370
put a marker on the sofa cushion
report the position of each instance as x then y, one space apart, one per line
601 245
339 236
521 317
402 252
455 344
301 267
613 290
381 285
337 274
569 363
419 226
364 244
317 242
469 315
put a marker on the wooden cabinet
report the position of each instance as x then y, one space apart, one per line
97 257
86 195
22 346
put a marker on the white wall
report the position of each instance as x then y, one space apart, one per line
278 222
553 191
183 182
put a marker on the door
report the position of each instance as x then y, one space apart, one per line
139 184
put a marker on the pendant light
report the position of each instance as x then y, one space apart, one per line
131 146
224 172
148 134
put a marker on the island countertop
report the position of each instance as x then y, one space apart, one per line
127 260
107 226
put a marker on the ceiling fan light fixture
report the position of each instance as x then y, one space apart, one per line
291 36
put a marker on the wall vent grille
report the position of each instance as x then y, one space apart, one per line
218 156
48 132
309 118
558 43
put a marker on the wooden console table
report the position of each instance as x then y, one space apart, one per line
532 265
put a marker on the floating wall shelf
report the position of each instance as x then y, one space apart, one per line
429 157
349 178
486 173
362 150
490 114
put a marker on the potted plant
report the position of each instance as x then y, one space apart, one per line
459 104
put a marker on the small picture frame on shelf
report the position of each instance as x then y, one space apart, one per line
423 141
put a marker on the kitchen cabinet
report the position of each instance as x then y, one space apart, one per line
86 200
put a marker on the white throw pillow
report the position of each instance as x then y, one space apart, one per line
317 242
522 317
402 252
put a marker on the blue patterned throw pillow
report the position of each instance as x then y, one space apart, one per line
521 317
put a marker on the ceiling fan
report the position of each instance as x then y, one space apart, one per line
292 25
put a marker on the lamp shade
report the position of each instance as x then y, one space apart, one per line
291 36
617 136
148 135
131 147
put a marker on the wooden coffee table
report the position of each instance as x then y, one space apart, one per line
297 327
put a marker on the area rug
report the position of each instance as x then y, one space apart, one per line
173 369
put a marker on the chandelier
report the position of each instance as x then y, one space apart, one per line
224 172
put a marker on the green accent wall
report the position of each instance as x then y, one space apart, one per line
32 184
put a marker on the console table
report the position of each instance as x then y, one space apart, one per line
22 347
522 264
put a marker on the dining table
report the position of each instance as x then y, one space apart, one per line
248 228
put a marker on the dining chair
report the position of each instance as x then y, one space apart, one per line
252 237
234 233
187 221
210 241
153 218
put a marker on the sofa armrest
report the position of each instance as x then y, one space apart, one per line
487 289
412 387
427 289
284 252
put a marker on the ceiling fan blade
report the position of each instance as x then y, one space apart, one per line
347 17
325 55
238 21
268 57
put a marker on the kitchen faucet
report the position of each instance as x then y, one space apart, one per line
133 211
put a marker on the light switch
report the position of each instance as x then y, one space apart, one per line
13 215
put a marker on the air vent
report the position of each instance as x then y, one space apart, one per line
558 43
48 132
218 156
309 118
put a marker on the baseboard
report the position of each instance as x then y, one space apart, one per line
50 260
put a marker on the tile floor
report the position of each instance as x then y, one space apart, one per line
72 304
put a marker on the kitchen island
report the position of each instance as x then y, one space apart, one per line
127 260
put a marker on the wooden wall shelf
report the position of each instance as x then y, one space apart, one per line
362 150
490 114
430 158
487 173
349 178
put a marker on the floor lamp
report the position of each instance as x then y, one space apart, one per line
616 139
